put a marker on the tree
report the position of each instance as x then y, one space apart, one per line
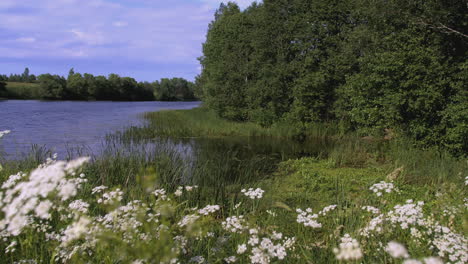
25 76
77 87
53 87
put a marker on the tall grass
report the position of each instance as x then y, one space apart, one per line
20 90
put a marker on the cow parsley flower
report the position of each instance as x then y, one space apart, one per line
253 193
307 218
383 187
209 209
241 249
234 224
348 249
396 250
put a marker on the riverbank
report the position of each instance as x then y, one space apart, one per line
375 192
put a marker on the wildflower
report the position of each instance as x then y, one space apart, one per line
271 213
188 220
160 194
42 210
99 189
241 249
209 209
253 194
276 236
179 191
198 259
230 259
11 247
396 250
79 206
382 187
411 261
190 188
348 249
27 194
433 260
75 230
111 197
234 224
371 209
327 209
307 218
253 240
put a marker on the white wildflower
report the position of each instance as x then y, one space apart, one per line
230 259
349 249
79 206
209 209
327 209
396 250
241 249
198 259
42 210
234 224
253 193
307 218
188 220
433 260
411 261
383 187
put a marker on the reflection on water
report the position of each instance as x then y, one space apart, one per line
205 161
91 129
69 127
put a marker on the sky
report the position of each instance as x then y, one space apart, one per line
143 39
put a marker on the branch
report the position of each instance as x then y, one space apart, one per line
443 28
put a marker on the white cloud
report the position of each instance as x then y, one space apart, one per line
120 24
150 31
26 40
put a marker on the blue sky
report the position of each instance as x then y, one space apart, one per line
144 39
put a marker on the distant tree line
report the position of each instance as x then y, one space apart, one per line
86 86
370 65
25 77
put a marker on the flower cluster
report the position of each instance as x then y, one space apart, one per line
253 193
383 187
348 249
307 218
264 249
235 224
209 209
396 250
24 198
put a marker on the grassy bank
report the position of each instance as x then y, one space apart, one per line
20 90
200 122
150 211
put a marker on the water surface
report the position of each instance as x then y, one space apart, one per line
63 126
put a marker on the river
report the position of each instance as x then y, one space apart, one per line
64 126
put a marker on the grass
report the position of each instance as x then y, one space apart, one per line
20 90
200 122
340 175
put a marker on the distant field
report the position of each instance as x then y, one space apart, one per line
20 90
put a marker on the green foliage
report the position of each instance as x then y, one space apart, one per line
21 90
371 65
53 86
175 89
2 88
